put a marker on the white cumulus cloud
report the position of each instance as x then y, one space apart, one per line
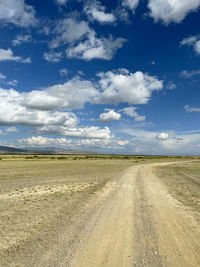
44 141
7 55
17 12
95 48
123 86
14 112
163 136
189 40
12 130
109 116
47 110
70 95
82 42
123 142
52 56
96 11
68 31
193 41
131 111
131 4
77 132
148 142
172 10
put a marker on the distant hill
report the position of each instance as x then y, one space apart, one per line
39 150
8 149
51 150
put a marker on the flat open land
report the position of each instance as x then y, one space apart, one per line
99 211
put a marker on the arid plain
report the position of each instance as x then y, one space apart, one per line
99 211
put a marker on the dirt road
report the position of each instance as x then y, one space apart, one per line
132 222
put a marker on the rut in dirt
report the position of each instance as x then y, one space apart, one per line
139 224
132 221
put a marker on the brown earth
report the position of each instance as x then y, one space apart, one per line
138 217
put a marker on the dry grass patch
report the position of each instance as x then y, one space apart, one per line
37 197
183 182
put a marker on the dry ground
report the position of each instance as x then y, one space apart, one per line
183 183
99 213
38 196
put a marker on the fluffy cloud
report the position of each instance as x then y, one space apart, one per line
131 4
12 130
163 136
189 40
190 109
109 116
77 132
68 31
172 10
97 12
140 118
1 132
142 142
112 88
93 142
70 95
20 39
124 7
82 41
189 74
123 142
45 110
16 111
147 142
52 56
192 41
131 111
107 143
13 112
17 12
7 55
123 86
44 141
95 48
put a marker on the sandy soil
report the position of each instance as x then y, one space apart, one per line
41 199
140 225
134 220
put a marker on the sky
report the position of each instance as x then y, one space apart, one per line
106 76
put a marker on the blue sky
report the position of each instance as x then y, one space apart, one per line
117 77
